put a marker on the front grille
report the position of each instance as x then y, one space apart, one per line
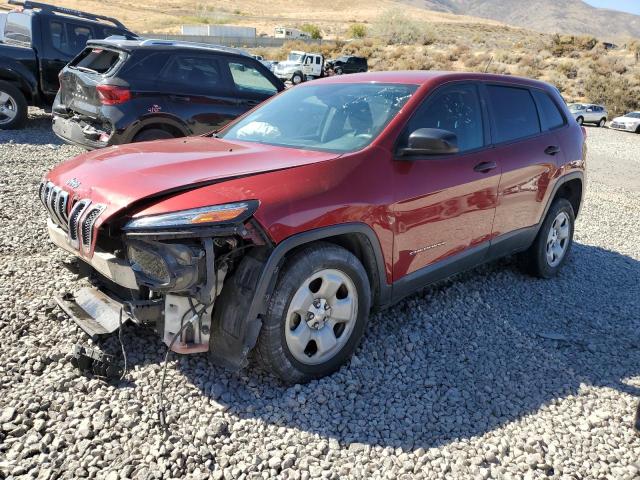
86 231
55 200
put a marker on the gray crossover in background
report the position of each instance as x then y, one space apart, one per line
589 113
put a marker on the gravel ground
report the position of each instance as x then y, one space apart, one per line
491 375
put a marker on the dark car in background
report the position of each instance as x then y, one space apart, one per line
36 41
120 91
348 64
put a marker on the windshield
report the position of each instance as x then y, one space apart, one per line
334 117
576 106
295 57
633 114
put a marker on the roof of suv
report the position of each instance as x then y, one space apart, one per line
118 41
419 77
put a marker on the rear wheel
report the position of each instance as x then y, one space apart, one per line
580 120
551 247
152 134
339 71
316 315
602 122
13 107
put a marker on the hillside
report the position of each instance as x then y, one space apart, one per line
564 16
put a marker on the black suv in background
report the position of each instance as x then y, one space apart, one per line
36 41
347 64
119 91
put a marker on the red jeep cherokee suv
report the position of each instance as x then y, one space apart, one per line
336 197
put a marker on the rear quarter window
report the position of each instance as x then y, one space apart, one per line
144 66
514 113
550 115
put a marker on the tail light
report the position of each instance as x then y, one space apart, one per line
113 95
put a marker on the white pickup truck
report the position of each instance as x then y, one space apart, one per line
300 66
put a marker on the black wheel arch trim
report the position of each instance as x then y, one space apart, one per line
248 326
149 122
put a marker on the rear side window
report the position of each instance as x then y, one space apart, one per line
514 113
69 38
18 27
142 66
455 108
248 78
550 116
194 73
96 59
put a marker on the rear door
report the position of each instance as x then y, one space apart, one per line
62 39
527 153
196 88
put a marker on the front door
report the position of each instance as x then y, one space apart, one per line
444 206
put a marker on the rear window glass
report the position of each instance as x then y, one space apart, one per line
514 113
550 115
250 78
18 27
96 59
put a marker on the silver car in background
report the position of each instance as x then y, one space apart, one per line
589 113
629 122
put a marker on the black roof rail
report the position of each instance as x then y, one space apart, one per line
67 11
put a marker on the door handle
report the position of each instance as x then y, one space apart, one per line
484 167
552 150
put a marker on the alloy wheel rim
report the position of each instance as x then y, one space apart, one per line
558 239
321 317
8 108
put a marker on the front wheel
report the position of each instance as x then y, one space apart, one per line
152 134
551 247
580 120
13 107
297 78
316 315
602 122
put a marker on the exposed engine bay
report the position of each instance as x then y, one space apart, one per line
170 279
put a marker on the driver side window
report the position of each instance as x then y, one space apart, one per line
455 108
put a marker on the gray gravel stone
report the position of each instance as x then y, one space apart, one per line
492 374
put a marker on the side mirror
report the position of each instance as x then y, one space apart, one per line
430 141
589 110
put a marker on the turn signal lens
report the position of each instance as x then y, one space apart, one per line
220 215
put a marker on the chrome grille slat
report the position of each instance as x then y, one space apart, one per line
74 221
86 231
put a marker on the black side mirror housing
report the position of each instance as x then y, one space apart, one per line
428 142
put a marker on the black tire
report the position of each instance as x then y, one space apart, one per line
339 71
638 129
297 78
602 122
580 120
535 258
15 102
152 134
272 350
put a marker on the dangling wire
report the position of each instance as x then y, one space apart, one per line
124 353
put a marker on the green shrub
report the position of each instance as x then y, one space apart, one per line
357 30
395 27
313 30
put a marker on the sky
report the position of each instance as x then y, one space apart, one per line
631 6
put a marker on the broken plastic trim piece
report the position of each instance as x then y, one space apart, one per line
91 360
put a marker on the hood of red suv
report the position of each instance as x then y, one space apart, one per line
120 176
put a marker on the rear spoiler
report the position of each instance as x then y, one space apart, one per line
67 11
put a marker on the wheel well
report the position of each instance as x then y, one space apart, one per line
360 246
175 131
572 191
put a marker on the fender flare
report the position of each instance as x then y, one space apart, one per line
575 175
235 341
